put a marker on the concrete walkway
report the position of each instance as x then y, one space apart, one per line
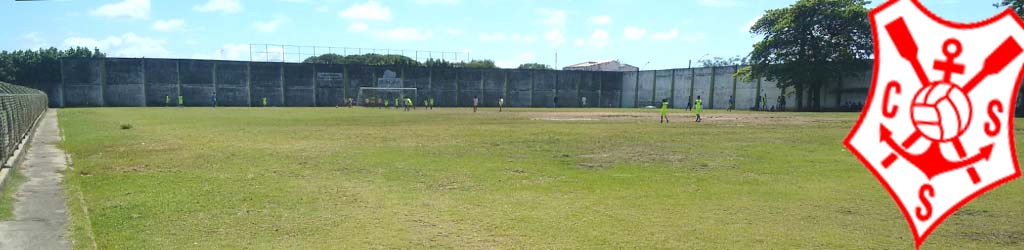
40 215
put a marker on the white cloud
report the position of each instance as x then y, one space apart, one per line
224 6
719 3
269 25
404 34
231 51
441 2
169 25
693 37
599 38
746 27
554 37
370 10
527 57
493 37
323 9
275 54
125 45
553 18
665 36
453 31
634 33
528 39
34 41
580 42
357 27
500 37
235 51
137 9
601 20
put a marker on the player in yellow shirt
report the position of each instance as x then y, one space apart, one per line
697 108
664 111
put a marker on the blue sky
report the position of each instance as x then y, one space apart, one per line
650 34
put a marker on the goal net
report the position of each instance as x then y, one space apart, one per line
374 96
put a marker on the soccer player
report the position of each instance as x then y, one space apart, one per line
213 98
583 101
387 105
408 103
476 102
431 103
664 111
501 103
181 101
732 104
425 103
167 101
264 101
697 108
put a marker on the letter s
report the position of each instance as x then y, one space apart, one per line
926 188
992 128
889 88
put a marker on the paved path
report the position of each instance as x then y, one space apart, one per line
40 213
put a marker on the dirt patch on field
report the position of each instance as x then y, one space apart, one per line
678 116
586 116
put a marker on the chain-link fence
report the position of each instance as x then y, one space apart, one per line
20 107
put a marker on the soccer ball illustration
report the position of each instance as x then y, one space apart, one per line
941 111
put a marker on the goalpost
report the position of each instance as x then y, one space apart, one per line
373 93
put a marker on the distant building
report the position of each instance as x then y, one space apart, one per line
613 65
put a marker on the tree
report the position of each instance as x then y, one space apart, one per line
1016 5
330 58
392 60
719 61
810 43
367 59
35 68
477 64
438 63
534 66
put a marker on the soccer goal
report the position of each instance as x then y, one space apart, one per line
369 96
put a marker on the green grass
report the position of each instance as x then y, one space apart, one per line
7 196
327 178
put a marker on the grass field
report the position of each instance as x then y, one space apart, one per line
328 178
7 195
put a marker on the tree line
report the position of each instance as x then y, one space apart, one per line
34 67
400 60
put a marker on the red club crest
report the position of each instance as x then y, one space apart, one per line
937 130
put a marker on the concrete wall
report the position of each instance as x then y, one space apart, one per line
629 89
520 88
148 82
330 85
82 83
265 82
232 84
196 82
161 82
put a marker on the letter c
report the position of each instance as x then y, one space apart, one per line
889 88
